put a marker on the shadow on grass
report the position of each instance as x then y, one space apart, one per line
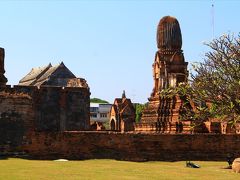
107 155
3 157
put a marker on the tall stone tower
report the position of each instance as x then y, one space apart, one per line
3 79
169 69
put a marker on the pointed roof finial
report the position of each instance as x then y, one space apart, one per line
123 94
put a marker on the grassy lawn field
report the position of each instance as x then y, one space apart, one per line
14 168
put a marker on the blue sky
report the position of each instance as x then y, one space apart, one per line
111 44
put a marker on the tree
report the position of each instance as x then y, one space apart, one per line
217 79
138 111
97 100
214 89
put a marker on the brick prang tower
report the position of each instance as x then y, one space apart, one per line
169 69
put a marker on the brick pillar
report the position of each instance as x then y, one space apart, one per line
63 105
3 79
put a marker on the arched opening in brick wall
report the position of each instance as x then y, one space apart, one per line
112 124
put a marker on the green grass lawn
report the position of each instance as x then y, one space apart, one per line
14 168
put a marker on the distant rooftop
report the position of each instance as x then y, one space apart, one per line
58 75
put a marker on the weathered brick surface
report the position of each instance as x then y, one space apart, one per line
25 109
169 69
3 79
55 108
16 118
129 146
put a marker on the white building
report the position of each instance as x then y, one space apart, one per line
100 112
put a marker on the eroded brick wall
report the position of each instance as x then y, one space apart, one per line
77 110
27 109
60 109
16 119
136 147
19 108
55 108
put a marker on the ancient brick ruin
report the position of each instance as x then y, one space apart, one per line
132 146
169 69
122 114
48 99
46 116
3 79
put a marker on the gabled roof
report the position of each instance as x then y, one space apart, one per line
120 104
34 74
118 101
114 107
37 76
48 73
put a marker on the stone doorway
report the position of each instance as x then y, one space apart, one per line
112 124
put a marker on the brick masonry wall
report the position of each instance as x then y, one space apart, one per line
130 146
55 108
27 109
18 125
16 118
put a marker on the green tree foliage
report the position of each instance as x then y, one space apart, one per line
194 108
218 78
97 100
139 108
215 87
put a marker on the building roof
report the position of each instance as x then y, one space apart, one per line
120 104
34 74
38 76
100 104
94 104
47 74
